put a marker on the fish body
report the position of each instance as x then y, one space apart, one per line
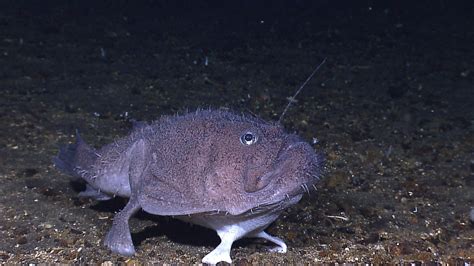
232 173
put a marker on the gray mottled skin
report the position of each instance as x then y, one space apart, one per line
231 173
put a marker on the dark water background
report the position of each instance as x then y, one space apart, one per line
392 110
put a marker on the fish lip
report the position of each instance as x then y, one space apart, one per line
285 150
293 144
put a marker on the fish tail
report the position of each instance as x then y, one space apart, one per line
76 159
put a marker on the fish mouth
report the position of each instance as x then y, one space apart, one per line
300 165
294 169
259 177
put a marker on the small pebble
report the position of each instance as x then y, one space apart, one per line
4 256
22 240
48 226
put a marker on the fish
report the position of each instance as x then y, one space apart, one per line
232 173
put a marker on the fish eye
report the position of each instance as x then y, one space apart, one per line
248 138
